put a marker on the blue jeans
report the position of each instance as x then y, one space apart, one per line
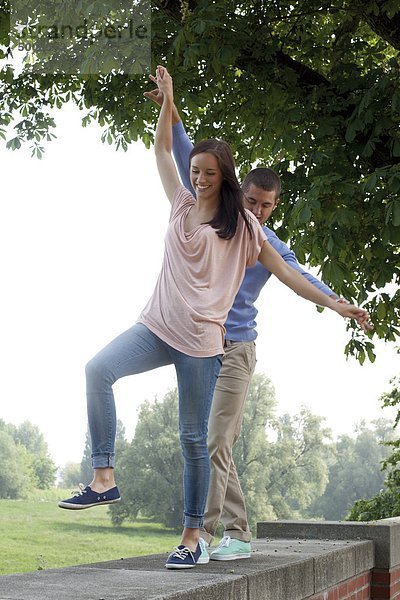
138 350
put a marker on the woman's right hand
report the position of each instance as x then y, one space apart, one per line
164 82
350 311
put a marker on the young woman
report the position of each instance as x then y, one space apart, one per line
209 242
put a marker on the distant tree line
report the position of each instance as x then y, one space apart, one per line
289 466
25 460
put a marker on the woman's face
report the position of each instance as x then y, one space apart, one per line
205 175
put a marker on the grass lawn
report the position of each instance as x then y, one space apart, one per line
36 534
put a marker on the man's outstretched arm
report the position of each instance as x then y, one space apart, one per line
181 148
290 258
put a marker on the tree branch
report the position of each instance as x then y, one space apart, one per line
386 27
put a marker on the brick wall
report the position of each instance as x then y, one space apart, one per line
385 584
355 588
378 584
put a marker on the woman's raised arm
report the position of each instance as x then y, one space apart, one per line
163 139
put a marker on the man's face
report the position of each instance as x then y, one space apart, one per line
260 202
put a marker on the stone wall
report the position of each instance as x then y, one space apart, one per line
291 560
384 576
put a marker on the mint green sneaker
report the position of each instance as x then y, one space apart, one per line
231 549
204 556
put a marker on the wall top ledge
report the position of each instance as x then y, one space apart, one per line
278 570
385 533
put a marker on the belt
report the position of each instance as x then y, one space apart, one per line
228 343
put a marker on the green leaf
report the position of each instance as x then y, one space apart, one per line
200 27
305 214
330 245
396 213
381 311
396 147
361 356
370 352
370 183
14 144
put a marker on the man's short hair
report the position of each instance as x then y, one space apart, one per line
264 178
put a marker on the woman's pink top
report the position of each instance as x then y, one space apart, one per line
199 279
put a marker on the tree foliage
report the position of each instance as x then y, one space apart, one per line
355 470
386 503
86 470
150 469
15 473
279 478
70 475
26 462
314 93
251 450
281 461
298 460
44 470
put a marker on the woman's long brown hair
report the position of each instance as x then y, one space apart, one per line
231 205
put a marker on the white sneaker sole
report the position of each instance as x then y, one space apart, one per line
167 566
231 556
203 560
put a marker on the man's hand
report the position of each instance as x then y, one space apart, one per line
164 82
155 95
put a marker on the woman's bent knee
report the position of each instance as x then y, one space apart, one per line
97 371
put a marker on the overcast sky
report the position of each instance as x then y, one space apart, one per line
81 241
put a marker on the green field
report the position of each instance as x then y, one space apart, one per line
36 534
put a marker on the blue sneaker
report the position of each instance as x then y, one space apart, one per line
86 498
183 558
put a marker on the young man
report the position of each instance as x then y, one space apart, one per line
225 502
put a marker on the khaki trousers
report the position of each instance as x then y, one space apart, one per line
225 501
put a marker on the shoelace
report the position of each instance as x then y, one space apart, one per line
182 553
81 490
225 542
